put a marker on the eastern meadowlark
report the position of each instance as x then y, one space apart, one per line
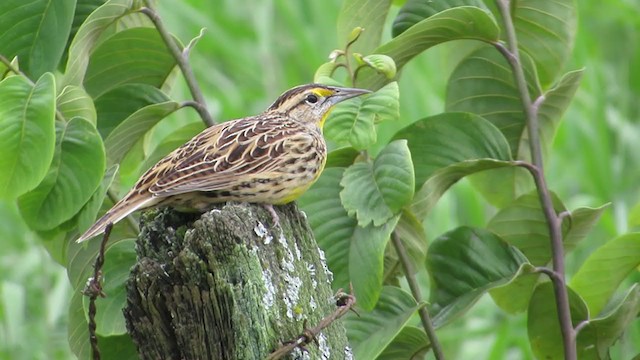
271 159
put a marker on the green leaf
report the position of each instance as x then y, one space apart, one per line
371 332
384 104
353 122
546 31
502 186
133 128
73 101
116 105
27 133
603 271
410 343
447 147
542 322
582 220
111 347
366 261
556 101
136 55
440 181
324 72
449 138
464 264
464 22
633 219
602 332
84 8
330 223
343 241
118 347
74 175
367 14
376 192
119 259
88 36
35 32
89 211
381 63
482 84
514 296
342 157
414 11
523 225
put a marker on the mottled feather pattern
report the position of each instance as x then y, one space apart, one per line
271 158
246 147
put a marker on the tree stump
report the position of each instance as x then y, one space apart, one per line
228 285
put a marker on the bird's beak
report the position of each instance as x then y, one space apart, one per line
341 94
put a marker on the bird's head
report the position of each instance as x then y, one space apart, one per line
312 103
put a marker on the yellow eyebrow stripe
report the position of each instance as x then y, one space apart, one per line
323 92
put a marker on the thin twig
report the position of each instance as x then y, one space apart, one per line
581 325
545 270
93 289
415 290
192 104
537 171
182 61
345 302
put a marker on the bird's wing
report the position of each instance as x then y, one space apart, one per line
225 156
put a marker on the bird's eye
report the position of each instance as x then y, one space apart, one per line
311 99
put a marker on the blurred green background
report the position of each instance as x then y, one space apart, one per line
255 49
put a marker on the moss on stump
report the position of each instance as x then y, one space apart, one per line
228 285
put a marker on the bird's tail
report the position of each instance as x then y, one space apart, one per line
124 207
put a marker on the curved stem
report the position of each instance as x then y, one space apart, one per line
182 61
537 171
415 290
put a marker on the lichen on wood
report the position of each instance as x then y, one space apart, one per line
228 285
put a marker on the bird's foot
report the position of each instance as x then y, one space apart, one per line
275 219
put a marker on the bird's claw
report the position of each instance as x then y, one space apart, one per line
275 219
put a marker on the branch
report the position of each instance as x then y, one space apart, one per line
537 171
182 61
345 302
415 290
93 289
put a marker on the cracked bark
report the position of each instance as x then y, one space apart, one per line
226 285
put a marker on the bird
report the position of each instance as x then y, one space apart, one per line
269 159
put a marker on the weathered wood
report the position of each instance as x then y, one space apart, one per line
228 285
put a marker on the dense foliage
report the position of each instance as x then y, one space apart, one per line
90 97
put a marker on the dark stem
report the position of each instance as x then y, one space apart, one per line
415 290
537 171
182 61
93 290
345 302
